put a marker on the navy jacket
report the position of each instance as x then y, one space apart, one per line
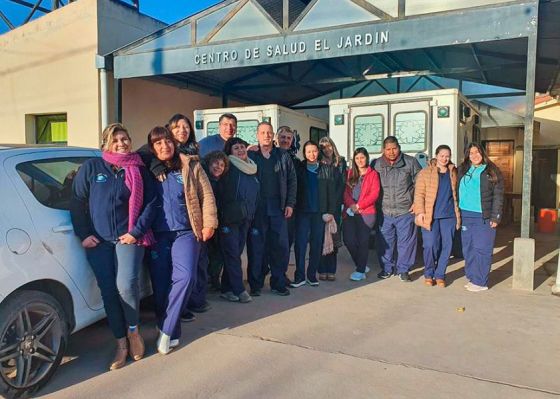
328 182
99 203
287 178
235 185
171 212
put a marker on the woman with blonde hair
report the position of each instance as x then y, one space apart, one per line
113 206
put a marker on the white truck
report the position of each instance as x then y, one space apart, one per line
307 127
420 120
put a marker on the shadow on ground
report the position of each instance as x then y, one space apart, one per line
90 350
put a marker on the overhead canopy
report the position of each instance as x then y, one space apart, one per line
289 51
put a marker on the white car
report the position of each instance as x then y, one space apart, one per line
47 288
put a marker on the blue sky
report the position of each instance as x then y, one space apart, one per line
168 11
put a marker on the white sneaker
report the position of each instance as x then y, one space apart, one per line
476 288
172 343
367 269
163 344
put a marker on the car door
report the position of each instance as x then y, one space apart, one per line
43 181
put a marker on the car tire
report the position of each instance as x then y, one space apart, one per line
34 331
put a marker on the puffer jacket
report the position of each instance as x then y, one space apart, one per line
491 195
397 184
201 204
425 193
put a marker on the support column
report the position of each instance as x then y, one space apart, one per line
104 94
118 100
524 247
556 287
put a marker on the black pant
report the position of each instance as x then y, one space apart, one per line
356 239
233 240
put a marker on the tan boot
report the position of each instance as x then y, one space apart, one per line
136 344
120 356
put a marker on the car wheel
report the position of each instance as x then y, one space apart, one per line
33 336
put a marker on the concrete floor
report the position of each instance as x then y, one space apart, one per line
374 339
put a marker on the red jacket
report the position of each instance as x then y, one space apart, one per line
368 194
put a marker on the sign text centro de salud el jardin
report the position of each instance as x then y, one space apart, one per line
272 51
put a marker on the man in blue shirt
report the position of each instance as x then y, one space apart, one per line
227 129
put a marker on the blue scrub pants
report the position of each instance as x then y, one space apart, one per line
399 232
116 268
356 238
478 246
233 239
438 244
268 231
200 288
310 229
174 259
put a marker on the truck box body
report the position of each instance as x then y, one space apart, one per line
308 127
421 121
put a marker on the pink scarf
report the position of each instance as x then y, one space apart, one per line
131 164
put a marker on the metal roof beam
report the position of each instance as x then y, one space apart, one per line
477 60
497 95
30 5
37 4
436 84
6 20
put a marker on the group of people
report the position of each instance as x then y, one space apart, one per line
191 209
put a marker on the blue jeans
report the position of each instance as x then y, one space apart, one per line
116 268
173 267
310 229
438 243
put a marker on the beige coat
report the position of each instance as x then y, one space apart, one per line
201 204
425 193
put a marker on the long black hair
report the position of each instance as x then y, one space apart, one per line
491 167
355 176
191 147
158 133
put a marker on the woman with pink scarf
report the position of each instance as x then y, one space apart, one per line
112 210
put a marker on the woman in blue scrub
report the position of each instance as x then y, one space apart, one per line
186 218
481 197
437 213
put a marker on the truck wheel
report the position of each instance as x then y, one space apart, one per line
33 336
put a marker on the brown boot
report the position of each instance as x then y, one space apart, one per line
136 345
440 283
120 356
429 282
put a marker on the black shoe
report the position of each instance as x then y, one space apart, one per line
405 277
188 316
281 291
287 280
383 275
205 307
256 292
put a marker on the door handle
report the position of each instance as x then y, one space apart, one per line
63 229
